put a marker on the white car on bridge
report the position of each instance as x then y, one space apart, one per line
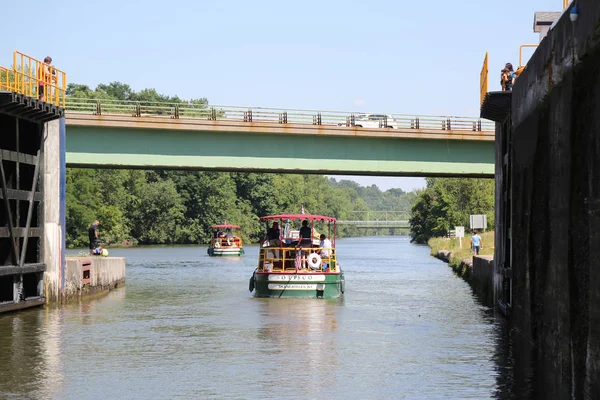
374 121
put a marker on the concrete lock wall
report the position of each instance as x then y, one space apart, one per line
53 242
556 208
478 271
105 273
502 220
482 278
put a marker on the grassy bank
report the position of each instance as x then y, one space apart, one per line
458 254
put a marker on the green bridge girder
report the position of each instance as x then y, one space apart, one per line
343 154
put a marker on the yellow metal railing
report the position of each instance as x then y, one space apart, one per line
284 258
566 3
6 78
521 53
483 79
35 78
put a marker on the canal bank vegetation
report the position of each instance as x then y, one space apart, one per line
448 202
456 254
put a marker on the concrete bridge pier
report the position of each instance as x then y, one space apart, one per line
547 277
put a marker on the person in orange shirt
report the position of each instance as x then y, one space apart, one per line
45 76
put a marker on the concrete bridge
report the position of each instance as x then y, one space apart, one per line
224 138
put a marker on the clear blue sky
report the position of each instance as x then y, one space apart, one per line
410 57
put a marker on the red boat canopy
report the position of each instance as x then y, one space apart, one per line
293 217
225 226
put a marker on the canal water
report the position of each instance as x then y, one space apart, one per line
186 327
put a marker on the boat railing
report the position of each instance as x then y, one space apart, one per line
226 242
273 259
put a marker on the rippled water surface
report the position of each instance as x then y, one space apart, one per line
185 326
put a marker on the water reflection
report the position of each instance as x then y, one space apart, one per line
31 363
515 358
301 335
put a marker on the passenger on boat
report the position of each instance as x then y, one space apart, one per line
305 240
219 237
229 236
273 234
305 234
273 237
325 245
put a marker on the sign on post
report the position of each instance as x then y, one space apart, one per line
478 221
460 233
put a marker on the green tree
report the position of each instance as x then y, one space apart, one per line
420 226
115 90
157 213
82 204
113 223
448 202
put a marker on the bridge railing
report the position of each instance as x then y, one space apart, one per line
376 223
137 108
380 215
521 65
269 115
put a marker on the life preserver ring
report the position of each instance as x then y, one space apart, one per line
314 261
217 244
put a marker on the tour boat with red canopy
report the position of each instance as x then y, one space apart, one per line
298 258
225 240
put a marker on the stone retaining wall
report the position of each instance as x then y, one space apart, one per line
478 272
